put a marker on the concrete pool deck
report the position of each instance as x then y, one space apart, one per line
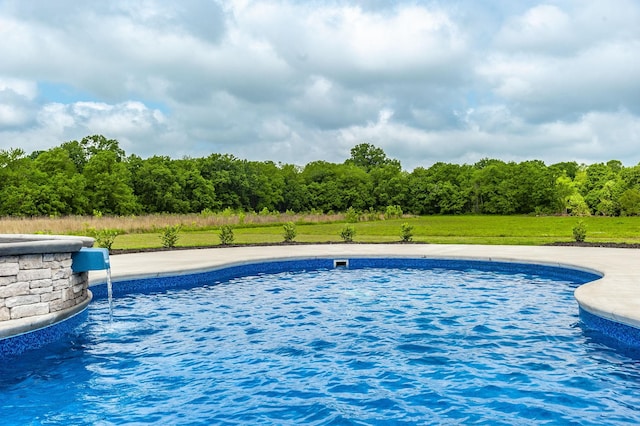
615 297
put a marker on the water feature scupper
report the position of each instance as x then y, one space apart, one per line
95 259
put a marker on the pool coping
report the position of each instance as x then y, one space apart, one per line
614 297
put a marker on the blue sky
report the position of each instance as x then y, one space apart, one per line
295 82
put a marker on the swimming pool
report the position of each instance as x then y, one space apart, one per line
375 343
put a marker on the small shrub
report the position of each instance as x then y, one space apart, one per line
372 215
351 215
580 231
347 233
290 232
170 235
104 237
264 212
406 232
392 212
226 235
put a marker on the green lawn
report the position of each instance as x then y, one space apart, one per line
516 230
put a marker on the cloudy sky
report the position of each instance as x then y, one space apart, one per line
298 81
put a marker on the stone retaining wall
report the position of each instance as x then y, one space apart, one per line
42 289
39 284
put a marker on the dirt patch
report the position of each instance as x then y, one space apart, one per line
607 245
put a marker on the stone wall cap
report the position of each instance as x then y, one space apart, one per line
17 244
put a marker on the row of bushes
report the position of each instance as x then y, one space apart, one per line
170 235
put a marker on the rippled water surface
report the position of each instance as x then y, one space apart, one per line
365 346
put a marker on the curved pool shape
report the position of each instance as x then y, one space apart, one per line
403 341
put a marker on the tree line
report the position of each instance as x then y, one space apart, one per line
95 175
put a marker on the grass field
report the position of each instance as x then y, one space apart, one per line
517 230
144 232
198 230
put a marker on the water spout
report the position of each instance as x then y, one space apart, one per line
95 259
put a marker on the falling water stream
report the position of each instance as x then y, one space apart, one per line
109 292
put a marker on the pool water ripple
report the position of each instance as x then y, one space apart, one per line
364 346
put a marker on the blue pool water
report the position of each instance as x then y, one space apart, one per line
340 346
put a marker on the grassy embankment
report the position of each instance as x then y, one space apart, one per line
203 230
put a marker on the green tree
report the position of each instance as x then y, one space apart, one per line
536 187
32 187
390 186
565 189
569 169
354 188
20 191
198 191
592 185
368 156
630 202
266 185
608 197
576 206
631 176
159 186
108 185
76 154
320 179
229 178
419 186
495 190
441 189
65 186
95 144
295 196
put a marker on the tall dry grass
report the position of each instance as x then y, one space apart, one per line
75 225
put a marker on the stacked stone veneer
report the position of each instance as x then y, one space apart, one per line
39 284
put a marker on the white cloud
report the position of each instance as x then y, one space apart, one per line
55 118
16 102
302 81
348 44
56 123
543 28
555 64
24 88
11 116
